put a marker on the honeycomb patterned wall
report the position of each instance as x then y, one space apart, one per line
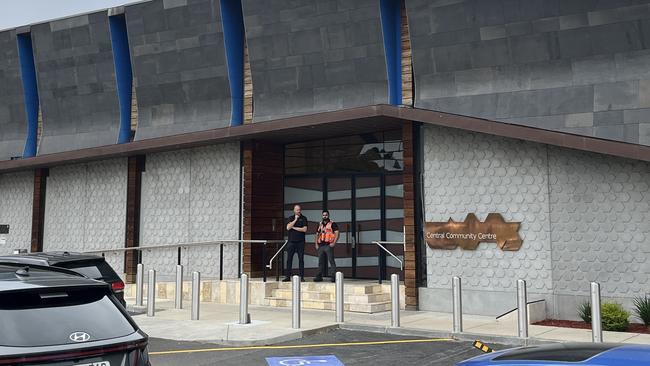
600 216
191 196
585 217
85 208
16 193
468 172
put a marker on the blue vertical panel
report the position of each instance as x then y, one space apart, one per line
233 31
30 89
123 74
390 25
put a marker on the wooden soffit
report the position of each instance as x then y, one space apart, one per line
330 124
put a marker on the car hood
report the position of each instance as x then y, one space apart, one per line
620 355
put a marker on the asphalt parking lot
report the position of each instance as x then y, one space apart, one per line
350 348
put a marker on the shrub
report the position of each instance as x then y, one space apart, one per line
614 317
584 312
642 309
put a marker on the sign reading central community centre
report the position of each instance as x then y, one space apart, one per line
469 233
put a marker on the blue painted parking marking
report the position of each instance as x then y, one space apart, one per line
329 360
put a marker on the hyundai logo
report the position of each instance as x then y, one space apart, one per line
80 337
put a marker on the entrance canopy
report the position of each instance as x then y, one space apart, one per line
329 124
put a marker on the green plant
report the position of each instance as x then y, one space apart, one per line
584 312
614 317
642 309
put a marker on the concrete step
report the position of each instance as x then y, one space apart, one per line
348 297
306 295
331 305
367 299
329 287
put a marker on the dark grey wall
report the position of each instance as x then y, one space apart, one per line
13 123
179 66
580 66
310 56
76 83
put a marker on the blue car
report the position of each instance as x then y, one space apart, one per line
601 354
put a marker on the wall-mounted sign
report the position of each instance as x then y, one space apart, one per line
4 229
469 233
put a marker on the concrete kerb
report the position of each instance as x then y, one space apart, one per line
293 336
465 336
136 310
299 334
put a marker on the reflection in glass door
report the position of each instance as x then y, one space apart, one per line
394 222
339 204
368 225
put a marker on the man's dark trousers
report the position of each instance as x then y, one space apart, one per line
294 247
325 251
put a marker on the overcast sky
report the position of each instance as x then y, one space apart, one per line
16 13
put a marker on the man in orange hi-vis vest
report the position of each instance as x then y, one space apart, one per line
326 238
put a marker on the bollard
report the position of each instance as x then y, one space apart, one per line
243 299
295 302
196 295
522 306
151 293
139 285
178 300
596 321
457 305
340 297
394 297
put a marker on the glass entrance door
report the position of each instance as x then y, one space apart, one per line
367 225
366 208
358 178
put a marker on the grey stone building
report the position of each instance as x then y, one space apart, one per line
388 114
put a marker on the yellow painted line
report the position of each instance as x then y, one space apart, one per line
320 345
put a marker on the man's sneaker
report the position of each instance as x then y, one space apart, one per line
333 279
302 279
286 279
318 279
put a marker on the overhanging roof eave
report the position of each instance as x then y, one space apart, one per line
366 119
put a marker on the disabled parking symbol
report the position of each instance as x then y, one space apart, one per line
329 360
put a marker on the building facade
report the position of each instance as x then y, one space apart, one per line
172 122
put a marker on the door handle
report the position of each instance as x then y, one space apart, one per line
347 239
347 234
356 241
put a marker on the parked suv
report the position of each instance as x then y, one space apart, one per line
55 316
91 266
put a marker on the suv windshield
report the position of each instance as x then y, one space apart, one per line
50 318
98 270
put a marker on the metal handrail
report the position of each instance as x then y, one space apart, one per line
270 265
184 245
179 246
379 244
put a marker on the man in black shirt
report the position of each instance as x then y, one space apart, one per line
326 238
297 227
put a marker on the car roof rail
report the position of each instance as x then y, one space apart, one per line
24 269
